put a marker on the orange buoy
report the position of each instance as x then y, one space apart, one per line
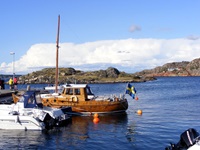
95 115
136 98
96 120
139 112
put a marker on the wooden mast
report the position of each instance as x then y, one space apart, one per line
57 48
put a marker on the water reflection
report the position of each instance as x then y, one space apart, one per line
131 131
82 130
83 124
20 139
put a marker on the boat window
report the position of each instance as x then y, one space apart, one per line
69 91
31 100
21 99
77 91
89 92
61 90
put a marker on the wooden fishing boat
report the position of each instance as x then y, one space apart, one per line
80 98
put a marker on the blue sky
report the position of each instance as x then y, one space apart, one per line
98 30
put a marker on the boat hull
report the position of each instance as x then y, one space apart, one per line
91 106
15 122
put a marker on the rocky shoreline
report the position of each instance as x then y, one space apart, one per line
110 75
184 68
70 75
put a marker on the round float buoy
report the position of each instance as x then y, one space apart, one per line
96 120
139 112
95 115
136 98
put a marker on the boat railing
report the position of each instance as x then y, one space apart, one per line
111 97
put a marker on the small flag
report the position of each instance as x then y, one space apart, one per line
131 90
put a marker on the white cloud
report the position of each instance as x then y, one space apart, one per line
129 55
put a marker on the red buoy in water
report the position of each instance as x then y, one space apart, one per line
136 98
96 120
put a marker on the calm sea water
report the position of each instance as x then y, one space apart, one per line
170 105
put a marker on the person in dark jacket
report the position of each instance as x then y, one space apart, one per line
2 86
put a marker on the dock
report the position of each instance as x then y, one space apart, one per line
6 96
4 93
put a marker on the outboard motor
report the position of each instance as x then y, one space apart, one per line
187 139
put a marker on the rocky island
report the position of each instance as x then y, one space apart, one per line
70 75
111 74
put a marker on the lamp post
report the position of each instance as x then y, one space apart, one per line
13 53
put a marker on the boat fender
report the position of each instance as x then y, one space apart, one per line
74 99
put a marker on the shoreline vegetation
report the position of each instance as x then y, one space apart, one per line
70 75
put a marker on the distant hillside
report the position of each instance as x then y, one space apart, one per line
183 68
70 75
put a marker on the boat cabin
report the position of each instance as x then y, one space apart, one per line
80 92
29 100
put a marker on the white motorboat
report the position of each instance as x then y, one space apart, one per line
27 114
189 140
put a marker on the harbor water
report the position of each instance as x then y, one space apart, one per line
170 106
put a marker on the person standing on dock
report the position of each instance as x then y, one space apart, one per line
10 82
0 84
15 83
